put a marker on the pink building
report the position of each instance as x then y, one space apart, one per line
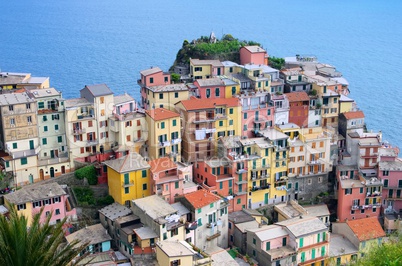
51 197
358 197
151 77
253 55
257 113
167 181
211 88
390 174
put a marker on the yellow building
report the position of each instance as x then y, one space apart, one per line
128 178
165 96
346 104
204 121
205 69
170 253
164 136
278 164
12 81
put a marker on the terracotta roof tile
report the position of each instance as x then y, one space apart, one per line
161 164
161 114
297 96
196 104
201 198
354 115
366 228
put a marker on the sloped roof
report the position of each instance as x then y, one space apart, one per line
93 234
254 48
161 114
353 115
197 104
162 164
35 192
131 162
98 89
206 62
210 82
150 71
366 228
155 207
304 226
297 96
201 198
124 98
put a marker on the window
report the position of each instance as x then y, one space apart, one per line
245 116
44 141
244 127
174 122
47 213
60 139
238 201
151 80
56 199
176 95
199 210
46 202
231 111
24 161
208 93
102 99
56 127
41 105
103 112
144 187
301 242
221 185
221 123
15 145
268 246
217 92
160 96
126 190
176 184
199 221
162 125
254 241
21 206
348 191
211 205
385 182
37 204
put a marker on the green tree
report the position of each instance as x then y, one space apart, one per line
387 254
39 244
276 62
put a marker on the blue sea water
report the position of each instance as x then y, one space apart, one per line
77 42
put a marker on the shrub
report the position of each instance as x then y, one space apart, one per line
88 172
84 196
107 200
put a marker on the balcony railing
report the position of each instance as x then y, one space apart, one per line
176 141
79 131
164 144
129 184
211 237
92 142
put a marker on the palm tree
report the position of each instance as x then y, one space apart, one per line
37 245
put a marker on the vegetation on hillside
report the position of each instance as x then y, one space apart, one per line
85 197
276 62
88 172
387 254
39 245
226 48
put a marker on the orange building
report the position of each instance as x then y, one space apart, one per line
299 105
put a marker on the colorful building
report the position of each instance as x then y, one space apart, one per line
10 81
127 127
161 221
19 137
299 104
362 233
253 54
211 214
211 88
51 197
153 76
53 158
205 69
295 80
204 122
166 180
128 178
165 96
95 235
164 138
170 253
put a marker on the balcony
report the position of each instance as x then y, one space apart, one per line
210 225
129 184
256 188
241 171
211 237
164 144
92 142
355 207
176 141
24 153
314 162
62 158
174 225
85 116
207 119
79 131
374 194
210 130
